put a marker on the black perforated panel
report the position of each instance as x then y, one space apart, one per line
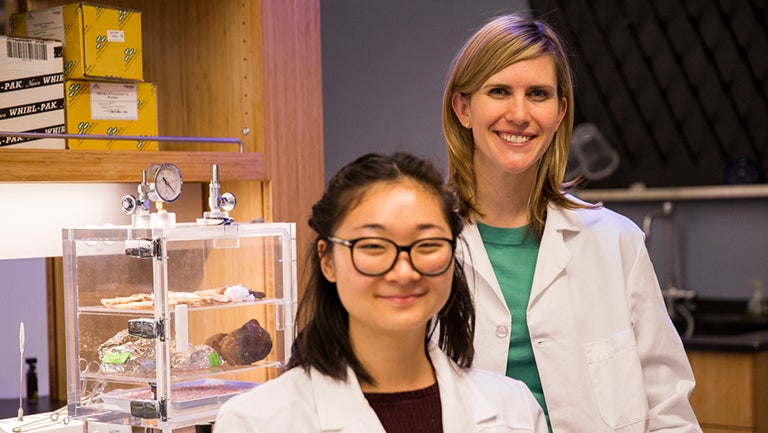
678 87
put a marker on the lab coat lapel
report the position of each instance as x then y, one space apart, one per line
341 406
478 260
464 406
554 254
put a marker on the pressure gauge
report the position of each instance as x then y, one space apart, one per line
166 181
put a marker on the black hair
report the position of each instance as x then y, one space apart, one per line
323 339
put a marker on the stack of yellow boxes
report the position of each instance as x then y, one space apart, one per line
104 90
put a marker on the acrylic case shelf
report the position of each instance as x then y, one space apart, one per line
165 324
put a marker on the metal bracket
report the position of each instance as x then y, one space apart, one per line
147 328
143 248
150 409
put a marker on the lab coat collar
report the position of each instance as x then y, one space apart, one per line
341 405
459 395
477 257
554 254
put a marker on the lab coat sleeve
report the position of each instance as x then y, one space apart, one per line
233 418
667 374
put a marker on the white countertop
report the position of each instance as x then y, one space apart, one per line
56 421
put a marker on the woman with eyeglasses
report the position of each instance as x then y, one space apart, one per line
383 279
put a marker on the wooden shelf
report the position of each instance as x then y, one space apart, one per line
47 165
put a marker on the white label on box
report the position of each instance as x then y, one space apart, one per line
115 36
114 101
46 24
16 50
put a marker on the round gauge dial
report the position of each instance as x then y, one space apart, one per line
167 182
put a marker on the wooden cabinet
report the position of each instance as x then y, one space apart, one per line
230 68
248 69
731 393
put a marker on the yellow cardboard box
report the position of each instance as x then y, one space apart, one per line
111 108
100 42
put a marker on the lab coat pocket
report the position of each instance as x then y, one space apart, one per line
617 379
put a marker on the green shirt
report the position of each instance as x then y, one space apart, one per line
513 256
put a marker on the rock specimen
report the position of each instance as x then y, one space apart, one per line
245 345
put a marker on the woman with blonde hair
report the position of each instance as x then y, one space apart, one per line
566 296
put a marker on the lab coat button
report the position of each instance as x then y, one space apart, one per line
502 331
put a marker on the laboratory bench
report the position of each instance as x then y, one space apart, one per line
728 352
9 408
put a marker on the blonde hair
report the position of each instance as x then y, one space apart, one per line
501 42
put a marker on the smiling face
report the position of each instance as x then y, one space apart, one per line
401 300
513 116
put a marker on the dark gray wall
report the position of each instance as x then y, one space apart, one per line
721 245
384 67
677 87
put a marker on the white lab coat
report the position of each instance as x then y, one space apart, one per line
607 353
297 402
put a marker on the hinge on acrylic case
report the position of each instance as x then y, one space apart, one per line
147 328
143 248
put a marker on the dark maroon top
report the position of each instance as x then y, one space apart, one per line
410 411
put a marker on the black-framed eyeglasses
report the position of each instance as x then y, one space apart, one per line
376 256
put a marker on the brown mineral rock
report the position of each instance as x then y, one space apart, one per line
243 346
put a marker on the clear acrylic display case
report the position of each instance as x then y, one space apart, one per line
165 324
